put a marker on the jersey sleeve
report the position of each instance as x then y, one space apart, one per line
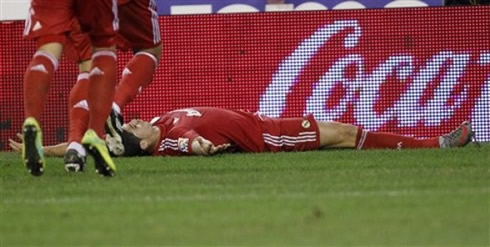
177 142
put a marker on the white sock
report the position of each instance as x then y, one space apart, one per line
116 108
78 147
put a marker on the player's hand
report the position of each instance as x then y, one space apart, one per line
16 146
202 146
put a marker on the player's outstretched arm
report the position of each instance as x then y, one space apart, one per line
202 146
57 150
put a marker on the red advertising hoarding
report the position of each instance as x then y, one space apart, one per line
418 72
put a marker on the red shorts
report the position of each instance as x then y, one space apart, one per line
77 46
139 26
290 134
138 21
138 29
50 21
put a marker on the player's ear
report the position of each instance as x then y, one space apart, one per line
144 144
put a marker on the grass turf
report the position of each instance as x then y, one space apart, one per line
338 197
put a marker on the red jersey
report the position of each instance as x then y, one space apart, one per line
245 131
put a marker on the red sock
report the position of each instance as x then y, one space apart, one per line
78 107
371 140
101 89
37 80
136 76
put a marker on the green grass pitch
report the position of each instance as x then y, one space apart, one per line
335 197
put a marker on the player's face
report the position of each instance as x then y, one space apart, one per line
139 128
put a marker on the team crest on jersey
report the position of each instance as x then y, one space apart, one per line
183 144
305 124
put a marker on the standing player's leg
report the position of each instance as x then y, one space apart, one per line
100 17
47 24
37 80
38 76
139 31
339 135
79 49
101 85
137 75
75 154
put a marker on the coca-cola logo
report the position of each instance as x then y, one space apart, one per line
363 90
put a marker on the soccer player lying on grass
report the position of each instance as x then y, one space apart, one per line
207 131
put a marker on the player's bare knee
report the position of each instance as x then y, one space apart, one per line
348 131
155 51
85 66
348 134
53 48
51 44
330 133
111 48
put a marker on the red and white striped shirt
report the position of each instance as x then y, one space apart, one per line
245 131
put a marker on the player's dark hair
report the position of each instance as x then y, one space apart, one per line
132 145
